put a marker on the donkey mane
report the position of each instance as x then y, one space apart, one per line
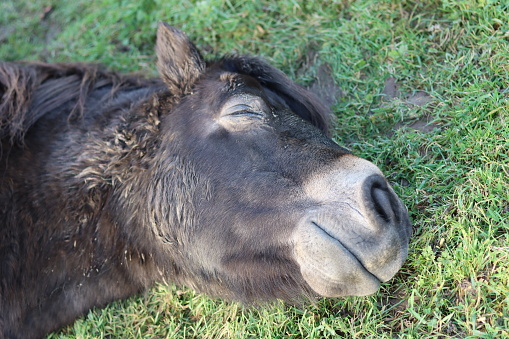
30 91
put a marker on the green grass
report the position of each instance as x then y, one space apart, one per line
453 175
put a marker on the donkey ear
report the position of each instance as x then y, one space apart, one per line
178 61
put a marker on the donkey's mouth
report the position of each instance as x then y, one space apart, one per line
328 266
340 245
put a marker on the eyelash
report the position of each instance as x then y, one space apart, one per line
247 113
245 110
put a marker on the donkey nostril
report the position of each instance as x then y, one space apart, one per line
383 201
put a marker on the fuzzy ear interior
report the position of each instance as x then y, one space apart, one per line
178 61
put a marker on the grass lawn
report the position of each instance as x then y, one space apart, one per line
422 90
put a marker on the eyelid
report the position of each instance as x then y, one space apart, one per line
244 104
241 107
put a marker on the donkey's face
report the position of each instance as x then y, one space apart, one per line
275 207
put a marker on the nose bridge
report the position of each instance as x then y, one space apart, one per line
341 180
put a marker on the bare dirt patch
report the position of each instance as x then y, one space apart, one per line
418 98
323 84
325 87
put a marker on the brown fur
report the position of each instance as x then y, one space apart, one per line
109 183
30 91
101 130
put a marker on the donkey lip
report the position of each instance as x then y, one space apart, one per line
346 249
329 267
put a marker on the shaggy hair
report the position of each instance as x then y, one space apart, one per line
105 176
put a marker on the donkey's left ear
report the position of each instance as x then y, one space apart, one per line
178 61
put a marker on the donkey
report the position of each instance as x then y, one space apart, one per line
218 175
